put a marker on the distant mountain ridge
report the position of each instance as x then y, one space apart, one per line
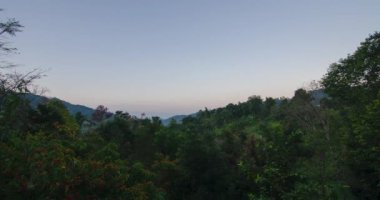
72 108
176 118
34 99
87 111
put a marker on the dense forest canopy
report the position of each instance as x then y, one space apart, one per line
297 148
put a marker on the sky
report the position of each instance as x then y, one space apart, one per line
165 58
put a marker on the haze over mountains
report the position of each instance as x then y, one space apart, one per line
85 110
193 100
73 108
181 56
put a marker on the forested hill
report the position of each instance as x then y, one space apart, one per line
72 108
255 106
303 147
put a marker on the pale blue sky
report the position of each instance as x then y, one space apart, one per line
176 57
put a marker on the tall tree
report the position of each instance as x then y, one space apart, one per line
355 80
12 83
99 113
354 85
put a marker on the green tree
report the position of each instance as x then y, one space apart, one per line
355 80
354 85
100 113
54 118
79 118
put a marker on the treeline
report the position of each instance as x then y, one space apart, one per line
294 148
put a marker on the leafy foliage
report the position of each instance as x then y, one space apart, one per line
298 148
